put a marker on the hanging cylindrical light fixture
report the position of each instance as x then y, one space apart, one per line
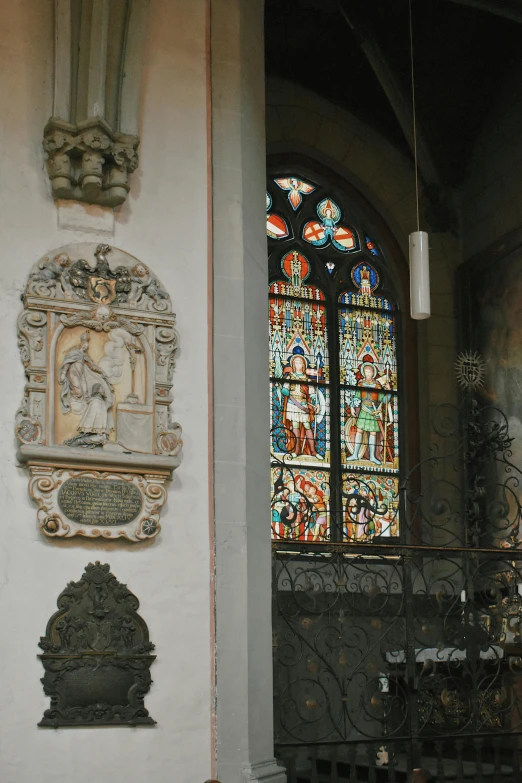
419 240
419 275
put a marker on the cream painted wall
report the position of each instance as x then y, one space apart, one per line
164 224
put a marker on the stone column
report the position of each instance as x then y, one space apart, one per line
244 730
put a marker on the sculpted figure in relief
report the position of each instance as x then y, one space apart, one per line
86 390
144 283
49 274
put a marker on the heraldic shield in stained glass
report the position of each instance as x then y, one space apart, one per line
335 448
325 230
276 227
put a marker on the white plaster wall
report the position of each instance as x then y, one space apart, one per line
164 224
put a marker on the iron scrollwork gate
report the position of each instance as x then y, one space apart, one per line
401 660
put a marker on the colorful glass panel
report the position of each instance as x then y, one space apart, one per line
372 247
300 504
296 268
300 405
296 189
298 334
369 429
370 506
365 280
276 227
367 347
361 412
300 416
325 231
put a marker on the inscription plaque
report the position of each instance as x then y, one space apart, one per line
96 653
92 501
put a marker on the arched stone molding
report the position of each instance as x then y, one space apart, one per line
91 139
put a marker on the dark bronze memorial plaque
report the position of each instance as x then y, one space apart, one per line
96 653
92 501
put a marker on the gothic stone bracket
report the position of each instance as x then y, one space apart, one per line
89 162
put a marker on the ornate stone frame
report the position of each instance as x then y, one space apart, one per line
99 289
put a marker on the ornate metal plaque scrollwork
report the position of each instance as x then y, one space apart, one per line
96 655
98 341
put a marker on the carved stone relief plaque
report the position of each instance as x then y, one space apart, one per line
96 655
98 343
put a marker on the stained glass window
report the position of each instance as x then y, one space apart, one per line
334 401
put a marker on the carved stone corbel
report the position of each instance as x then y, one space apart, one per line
91 165
91 139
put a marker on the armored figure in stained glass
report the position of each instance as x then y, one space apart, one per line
369 417
301 406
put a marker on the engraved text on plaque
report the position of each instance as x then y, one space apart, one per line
92 501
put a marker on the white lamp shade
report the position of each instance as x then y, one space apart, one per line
419 275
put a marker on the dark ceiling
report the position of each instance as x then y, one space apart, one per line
463 55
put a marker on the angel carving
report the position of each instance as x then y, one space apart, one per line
49 273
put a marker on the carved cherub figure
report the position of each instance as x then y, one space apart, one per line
145 283
50 271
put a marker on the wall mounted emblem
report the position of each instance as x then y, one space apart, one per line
96 655
98 343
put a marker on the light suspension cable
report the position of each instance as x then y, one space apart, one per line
419 241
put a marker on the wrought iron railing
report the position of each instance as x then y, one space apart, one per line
401 653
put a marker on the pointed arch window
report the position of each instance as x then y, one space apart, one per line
335 372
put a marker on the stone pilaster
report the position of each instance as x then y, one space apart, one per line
244 698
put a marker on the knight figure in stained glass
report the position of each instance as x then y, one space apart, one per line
303 406
366 429
299 364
